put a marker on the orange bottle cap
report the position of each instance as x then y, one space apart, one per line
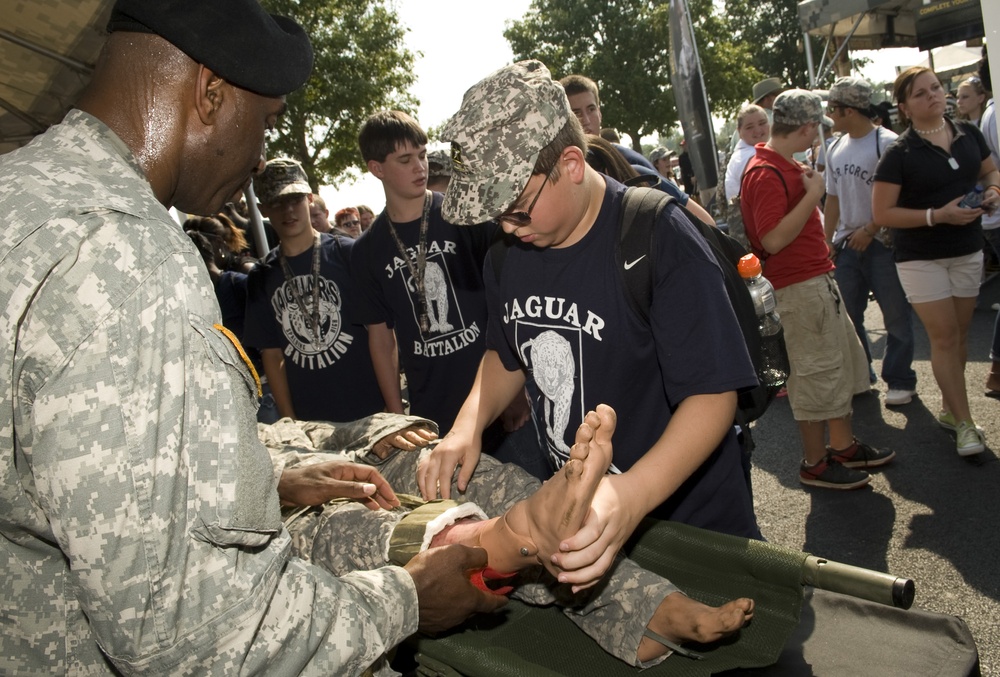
749 266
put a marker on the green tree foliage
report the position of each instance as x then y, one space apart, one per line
361 66
772 30
624 46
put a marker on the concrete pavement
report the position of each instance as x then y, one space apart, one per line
929 515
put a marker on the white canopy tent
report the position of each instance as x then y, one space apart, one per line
876 24
47 53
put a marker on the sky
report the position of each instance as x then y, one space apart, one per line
452 58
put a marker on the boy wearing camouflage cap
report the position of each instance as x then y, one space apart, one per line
780 204
559 313
299 310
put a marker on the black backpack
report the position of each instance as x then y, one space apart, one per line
640 211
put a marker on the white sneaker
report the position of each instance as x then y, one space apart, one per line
968 439
897 397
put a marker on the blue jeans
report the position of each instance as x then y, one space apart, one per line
874 270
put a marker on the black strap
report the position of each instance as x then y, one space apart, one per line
757 247
498 251
641 208
748 169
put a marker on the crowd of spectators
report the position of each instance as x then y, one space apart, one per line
149 506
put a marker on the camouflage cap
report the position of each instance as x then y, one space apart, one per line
280 177
438 163
852 92
504 122
658 153
797 107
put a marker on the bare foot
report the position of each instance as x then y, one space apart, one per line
557 510
532 529
681 619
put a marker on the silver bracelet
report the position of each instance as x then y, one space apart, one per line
930 216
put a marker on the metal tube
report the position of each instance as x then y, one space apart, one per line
256 221
86 69
29 120
850 580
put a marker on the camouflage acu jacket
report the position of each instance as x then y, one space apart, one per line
139 519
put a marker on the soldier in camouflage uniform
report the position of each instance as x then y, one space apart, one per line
141 529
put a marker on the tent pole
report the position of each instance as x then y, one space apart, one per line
809 60
256 222
840 50
826 50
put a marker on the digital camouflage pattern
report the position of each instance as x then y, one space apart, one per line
851 91
345 536
504 122
140 522
438 164
797 107
280 177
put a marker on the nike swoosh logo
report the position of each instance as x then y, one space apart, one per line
630 264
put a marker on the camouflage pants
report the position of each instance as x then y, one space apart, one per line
344 536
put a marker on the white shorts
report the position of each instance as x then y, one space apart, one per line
939 279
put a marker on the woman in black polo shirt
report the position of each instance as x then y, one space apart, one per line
919 182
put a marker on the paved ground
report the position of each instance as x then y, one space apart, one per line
930 515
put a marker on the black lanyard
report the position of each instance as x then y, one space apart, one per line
312 320
416 272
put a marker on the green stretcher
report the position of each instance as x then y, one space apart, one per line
811 617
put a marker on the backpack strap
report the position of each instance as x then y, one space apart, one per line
749 170
757 247
497 253
641 208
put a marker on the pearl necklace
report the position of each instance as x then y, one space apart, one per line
929 132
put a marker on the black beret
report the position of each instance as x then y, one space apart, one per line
238 40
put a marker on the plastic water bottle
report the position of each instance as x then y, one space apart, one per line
974 198
762 293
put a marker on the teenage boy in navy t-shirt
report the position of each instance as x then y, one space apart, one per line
559 313
300 304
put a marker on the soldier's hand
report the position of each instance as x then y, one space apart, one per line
321 482
408 439
446 596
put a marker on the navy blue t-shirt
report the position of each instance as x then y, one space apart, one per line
440 365
330 379
632 157
562 314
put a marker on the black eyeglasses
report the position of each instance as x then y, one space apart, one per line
350 223
518 218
